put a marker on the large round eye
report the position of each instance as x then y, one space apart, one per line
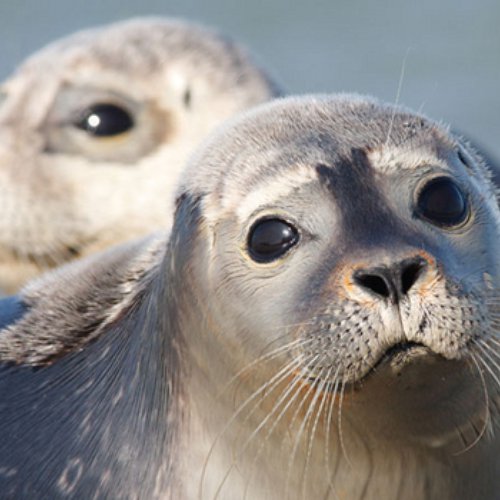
271 238
105 120
442 202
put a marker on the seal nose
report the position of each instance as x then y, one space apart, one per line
391 282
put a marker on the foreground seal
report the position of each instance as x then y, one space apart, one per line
95 128
321 323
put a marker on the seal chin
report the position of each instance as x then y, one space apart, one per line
398 356
414 393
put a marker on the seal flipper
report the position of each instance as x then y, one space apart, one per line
94 420
90 425
12 309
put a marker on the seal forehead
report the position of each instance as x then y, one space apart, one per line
271 189
132 39
390 159
150 45
274 149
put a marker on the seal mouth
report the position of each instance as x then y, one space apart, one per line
401 354
394 360
402 349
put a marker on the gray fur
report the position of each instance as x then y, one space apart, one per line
146 46
173 392
66 193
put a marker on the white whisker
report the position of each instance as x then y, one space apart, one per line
266 357
279 376
328 428
487 366
321 390
341 436
487 417
398 96
302 427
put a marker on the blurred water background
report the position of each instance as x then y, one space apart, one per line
451 47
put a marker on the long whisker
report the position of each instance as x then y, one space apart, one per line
251 437
280 375
489 348
261 359
487 417
298 436
298 363
341 436
295 385
328 428
398 96
495 341
486 365
321 390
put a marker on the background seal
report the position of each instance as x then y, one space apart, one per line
95 128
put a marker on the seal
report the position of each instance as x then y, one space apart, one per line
95 128
322 322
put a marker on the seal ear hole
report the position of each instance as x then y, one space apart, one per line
442 202
187 98
103 119
270 238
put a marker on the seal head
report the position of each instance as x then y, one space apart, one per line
95 128
358 243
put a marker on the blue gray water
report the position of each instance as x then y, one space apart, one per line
452 47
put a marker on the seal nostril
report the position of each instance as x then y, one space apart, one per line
410 275
391 282
374 283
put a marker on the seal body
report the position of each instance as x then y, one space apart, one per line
319 324
95 128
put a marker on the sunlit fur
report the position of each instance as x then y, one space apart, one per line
283 379
65 193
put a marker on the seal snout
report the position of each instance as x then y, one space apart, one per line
391 282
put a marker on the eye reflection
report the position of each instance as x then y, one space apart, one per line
442 202
105 120
270 238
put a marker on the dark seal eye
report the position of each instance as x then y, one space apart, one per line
105 120
442 202
271 238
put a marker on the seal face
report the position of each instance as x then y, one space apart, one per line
321 323
352 250
91 157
